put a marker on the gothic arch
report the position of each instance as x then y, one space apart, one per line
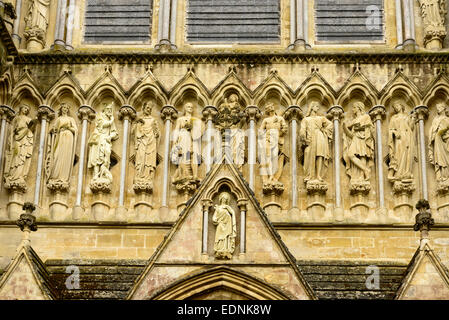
273 90
54 97
215 188
106 92
26 91
6 88
359 92
147 90
317 92
190 92
438 92
400 91
218 278
226 90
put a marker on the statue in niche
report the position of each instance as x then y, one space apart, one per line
146 140
439 147
61 150
433 13
358 148
271 141
230 118
36 20
315 137
20 149
100 148
401 148
186 150
226 232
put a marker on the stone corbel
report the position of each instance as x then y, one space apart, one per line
27 222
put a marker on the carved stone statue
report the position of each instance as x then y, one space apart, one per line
19 151
146 139
271 141
36 21
237 132
401 148
439 147
315 136
358 148
230 119
186 150
100 148
434 16
226 232
61 150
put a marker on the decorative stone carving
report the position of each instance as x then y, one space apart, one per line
358 149
146 134
6 113
423 221
186 151
439 148
100 147
230 119
271 141
27 220
36 24
61 151
226 231
19 151
401 150
315 137
86 113
433 13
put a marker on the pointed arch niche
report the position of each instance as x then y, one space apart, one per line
237 203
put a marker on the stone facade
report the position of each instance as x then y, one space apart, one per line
323 147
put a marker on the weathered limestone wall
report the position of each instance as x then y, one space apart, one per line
304 243
84 242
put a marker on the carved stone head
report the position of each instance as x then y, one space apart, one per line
224 198
108 109
64 109
24 109
358 108
147 107
188 108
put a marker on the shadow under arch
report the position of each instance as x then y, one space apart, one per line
205 282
